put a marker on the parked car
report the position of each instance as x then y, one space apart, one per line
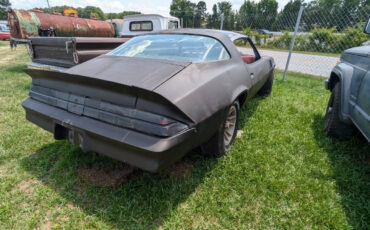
143 23
349 103
264 31
4 33
154 98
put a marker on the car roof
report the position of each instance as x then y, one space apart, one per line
218 34
225 37
149 16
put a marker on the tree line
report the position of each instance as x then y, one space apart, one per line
83 12
265 14
90 12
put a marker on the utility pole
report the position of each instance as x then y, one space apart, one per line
194 19
222 21
48 3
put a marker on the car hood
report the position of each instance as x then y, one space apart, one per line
360 51
142 73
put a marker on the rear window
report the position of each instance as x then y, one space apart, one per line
176 47
141 26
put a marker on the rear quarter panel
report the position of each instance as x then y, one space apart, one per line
203 89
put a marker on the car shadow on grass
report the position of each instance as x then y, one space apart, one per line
102 187
17 68
139 200
350 161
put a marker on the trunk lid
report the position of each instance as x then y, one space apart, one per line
142 73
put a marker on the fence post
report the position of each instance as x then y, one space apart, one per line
293 40
222 21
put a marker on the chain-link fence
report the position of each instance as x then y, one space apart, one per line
321 37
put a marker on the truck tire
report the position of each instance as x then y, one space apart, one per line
224 137
333 125
266 89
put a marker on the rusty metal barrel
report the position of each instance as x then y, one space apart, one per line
24 24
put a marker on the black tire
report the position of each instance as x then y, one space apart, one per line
217 146
333 125
266 89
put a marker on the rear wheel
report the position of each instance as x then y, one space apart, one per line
333 126
267 87
222 140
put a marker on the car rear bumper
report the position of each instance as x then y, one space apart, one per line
144 151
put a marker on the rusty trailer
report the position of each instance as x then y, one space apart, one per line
24 24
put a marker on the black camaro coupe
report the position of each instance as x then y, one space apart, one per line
154 98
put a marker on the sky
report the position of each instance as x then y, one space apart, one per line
115 6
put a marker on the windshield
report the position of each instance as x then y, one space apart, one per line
176 47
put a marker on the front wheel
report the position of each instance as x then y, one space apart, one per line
222 140
333 125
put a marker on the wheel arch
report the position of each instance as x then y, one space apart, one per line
240 94
342 74
333 79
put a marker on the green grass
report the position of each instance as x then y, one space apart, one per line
283 173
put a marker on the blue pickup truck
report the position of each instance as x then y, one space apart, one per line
349 103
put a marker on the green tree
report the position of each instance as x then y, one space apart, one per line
225 8
286 18
200 13
266 13
120 15
247 14
55 9
214 19
90 11
4 4
185 10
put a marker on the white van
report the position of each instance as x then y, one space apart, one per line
143 23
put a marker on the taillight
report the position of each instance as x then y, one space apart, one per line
124 117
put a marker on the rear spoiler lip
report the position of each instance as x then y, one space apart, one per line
133 90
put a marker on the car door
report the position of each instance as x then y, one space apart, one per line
361 109
257 67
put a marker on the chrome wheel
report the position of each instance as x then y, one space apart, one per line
230 125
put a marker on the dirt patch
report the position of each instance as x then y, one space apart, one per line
3 170
26 186
180 170
102 178
10 55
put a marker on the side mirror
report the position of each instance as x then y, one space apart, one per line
367 27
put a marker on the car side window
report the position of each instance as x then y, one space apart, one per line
247 50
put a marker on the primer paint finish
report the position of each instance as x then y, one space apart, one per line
24 24
195 94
